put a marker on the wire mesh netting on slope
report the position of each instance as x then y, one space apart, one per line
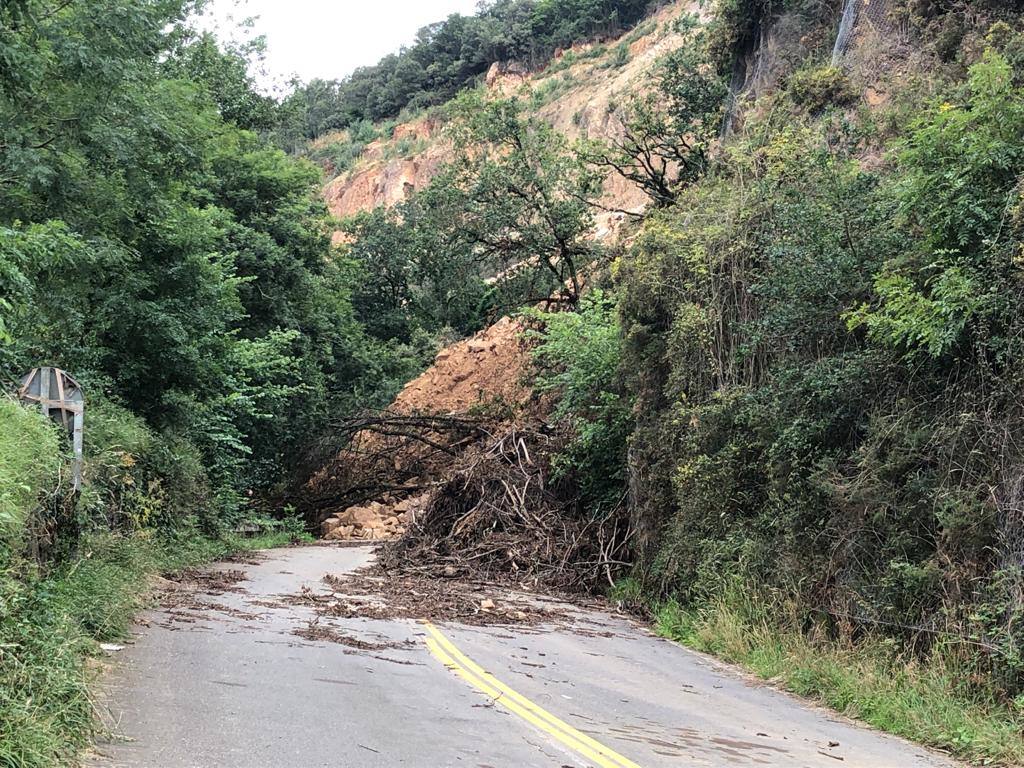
859 17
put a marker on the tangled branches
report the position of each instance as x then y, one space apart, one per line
386 452
501 517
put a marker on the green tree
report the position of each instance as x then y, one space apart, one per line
527 199
666 135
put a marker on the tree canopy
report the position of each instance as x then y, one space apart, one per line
449 55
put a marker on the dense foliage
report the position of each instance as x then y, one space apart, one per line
831 412
577 355
180 266
448 56
176 262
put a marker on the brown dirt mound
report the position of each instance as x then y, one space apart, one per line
456 477
485 369
373 488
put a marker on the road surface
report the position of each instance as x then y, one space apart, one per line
230 684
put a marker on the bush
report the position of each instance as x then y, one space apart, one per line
826 365
577 356
50 625
817 88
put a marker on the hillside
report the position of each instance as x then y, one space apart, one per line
577 93
730 407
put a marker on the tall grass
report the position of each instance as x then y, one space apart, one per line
925 699
51 621
29 458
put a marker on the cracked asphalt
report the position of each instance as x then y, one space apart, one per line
229 683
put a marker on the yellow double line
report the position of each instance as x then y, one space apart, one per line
445 651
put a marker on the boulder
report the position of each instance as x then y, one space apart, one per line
329 525
342 532
357 516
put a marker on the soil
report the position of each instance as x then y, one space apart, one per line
377 487
370 594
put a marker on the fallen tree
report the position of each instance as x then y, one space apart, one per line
503 516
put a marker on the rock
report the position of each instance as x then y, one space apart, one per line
476 347
487 605
493 73
329 525
391 521
449 571
340 534
357 516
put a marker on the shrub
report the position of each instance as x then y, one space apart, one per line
577 356
817 88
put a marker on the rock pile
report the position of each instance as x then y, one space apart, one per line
375 520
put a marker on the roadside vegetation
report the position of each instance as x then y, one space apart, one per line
155 244
58 604
871 677
820 346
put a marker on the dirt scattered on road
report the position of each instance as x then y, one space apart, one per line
315 630
182 597
367 594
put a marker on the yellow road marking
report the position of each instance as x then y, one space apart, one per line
445 651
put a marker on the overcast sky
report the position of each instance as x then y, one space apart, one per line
319 38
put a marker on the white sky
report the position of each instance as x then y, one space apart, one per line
319 38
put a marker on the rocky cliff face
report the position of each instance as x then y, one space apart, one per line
577 93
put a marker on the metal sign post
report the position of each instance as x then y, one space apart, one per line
60 398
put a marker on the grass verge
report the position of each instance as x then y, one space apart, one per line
51 626
938 702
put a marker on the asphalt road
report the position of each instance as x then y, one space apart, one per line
225 681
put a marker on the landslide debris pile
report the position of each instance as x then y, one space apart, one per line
500 518
374 520
383 479
457 475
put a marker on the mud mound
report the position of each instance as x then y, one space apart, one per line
456 479
473 387
486 369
